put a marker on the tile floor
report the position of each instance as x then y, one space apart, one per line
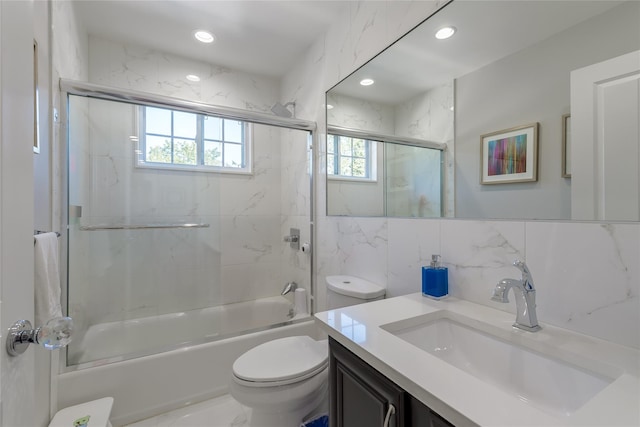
223 411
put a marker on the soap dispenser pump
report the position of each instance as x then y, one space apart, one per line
435 280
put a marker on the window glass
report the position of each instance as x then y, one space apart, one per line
188 139
345 166
158 149
345 146
350 157
184 151
213 128
359 168
359 147
158 121
184 124
232 155
232 131
212 153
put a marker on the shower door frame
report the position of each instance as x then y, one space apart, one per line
91 90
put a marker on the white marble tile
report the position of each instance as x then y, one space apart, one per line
148 70
479 254
257 194
358 114
411 244
356 246
587 277
246 282
70 43
250 239
368 29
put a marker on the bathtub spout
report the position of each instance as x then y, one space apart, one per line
289 287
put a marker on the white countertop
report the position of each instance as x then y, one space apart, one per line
464 399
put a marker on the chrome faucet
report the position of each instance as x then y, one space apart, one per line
525 294
289 287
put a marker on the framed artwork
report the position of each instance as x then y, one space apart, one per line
566 145
36 101
509 155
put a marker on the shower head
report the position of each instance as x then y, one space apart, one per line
282 110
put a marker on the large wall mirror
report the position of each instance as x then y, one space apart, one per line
530 110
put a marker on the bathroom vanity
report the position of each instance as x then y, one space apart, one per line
413 361
359 395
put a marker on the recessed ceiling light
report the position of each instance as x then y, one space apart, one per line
193 78
203 36
329 106
366 82
445 32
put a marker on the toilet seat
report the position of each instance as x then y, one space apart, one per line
281 362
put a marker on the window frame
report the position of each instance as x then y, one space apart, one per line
370 159
246 145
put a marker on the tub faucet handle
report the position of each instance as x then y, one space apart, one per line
289 287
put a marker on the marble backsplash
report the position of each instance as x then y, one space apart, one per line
587 275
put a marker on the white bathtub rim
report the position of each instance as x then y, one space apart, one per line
181 346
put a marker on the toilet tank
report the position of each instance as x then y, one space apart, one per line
343 291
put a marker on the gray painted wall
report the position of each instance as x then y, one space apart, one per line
526 87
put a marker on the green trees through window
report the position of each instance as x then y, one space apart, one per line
187 139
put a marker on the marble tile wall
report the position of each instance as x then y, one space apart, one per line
586 273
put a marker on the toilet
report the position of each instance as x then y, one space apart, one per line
285 381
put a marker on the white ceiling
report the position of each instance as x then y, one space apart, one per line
487 31
262 37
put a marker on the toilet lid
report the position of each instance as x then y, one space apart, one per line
354 287
285 360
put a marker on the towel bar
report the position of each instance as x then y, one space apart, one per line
41 232
139 227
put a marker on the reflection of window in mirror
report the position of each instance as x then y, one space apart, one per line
350 158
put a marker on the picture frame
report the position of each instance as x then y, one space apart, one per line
510 155
566 145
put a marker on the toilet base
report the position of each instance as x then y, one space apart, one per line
261 417
284 406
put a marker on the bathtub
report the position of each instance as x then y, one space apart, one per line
198 370
115 341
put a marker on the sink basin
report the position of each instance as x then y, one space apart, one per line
548 383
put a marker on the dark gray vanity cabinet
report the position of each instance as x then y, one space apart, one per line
360 396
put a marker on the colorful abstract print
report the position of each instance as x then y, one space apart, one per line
508 155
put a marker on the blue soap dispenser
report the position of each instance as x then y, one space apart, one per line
435 279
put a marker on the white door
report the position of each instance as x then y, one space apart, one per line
605 123
16 206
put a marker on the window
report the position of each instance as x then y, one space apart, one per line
180 140
351 158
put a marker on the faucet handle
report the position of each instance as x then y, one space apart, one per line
527 279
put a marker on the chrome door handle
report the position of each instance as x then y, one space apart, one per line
56 333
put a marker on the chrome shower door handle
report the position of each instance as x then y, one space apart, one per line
55 334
